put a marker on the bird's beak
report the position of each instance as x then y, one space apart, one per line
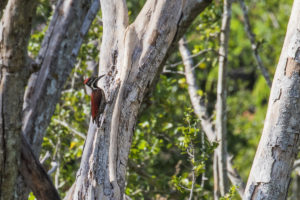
101 76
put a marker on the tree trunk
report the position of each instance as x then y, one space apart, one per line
56 59
14 70
270 174
131 56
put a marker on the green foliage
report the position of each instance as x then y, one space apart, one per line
193 143
230 195
167 132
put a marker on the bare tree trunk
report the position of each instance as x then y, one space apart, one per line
221 115
270 174
56 59
130 58
14 35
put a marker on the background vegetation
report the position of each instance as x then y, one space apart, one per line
168 144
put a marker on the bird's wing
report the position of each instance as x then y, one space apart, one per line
96 99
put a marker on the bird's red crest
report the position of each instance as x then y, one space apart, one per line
86 80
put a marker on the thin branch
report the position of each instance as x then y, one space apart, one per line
73 130
195 66
46 157
216 176
203 178
235 177
54 167
191 56
166 71
254 45
198 101
221 115
192 156
126 197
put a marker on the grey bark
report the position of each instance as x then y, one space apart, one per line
70 23
56 58
221 115
131 56
14 35
199 106
270 173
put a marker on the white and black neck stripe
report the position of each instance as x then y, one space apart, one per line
93 82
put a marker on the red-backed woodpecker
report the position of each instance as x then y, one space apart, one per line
98 101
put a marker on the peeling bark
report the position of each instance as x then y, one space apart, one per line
270 174
131 60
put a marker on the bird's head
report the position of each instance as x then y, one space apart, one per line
92 82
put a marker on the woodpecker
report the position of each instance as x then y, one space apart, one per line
98 100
